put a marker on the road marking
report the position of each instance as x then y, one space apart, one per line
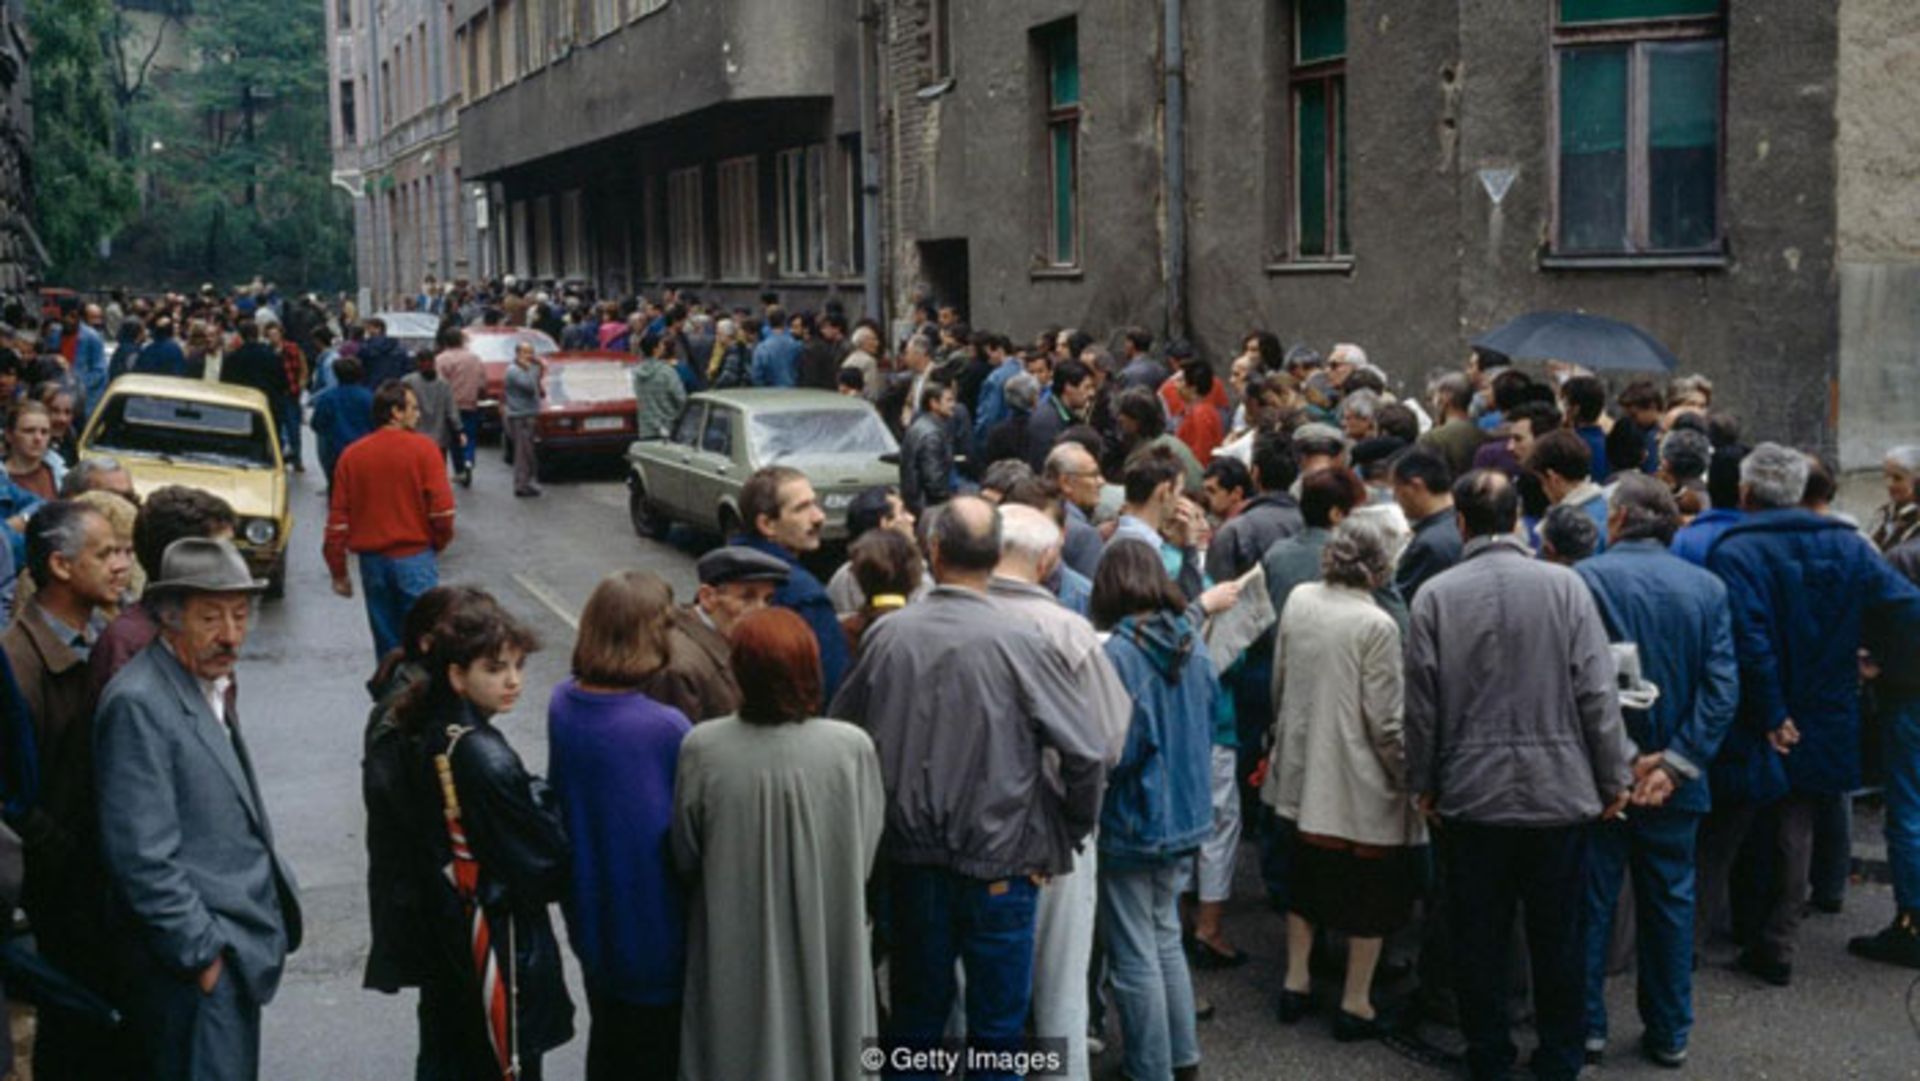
540 593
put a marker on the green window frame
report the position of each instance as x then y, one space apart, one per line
1317 113
1638 125
1060 46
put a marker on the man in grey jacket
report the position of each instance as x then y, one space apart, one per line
961 702
183 830
1515 744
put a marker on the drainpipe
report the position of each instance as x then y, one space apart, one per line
1174 255
869 163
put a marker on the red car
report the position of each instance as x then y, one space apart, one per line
589 411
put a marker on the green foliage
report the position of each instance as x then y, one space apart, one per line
83 193
239 180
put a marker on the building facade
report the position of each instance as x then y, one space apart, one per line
21 254
394 99
1406 176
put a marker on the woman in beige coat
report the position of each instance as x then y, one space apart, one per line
1338 772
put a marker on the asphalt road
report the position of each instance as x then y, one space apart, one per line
302 695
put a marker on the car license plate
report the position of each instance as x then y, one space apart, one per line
839 500
603 424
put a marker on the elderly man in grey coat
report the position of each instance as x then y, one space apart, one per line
963 705
184 833
1516 744
1063 925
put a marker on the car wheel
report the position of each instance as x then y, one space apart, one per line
277 581
647 521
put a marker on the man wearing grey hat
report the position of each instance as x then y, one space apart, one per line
183 830
698 676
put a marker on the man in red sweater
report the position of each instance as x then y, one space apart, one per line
392 507
1201 427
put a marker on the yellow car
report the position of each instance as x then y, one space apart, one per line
216 437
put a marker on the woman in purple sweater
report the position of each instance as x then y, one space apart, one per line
612 755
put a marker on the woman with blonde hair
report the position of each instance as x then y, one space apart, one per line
612 753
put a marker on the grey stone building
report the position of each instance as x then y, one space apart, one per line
641 143
1402 175
21 255
1408 175
394 99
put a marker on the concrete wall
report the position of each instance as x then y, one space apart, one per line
1879 228
680 60
1436 93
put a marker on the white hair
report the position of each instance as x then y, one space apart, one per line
1351 354
864 338
725 328
1027 532
1905 458
1063 456
1774 476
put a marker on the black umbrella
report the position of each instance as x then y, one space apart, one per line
28 976
1592 341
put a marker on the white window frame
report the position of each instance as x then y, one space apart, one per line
737 209
685 217
801 185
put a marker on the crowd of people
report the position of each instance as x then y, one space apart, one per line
1451 668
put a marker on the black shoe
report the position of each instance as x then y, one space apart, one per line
1293 1006
466 478
299 467
1898 944
1596 1050
1206 956
1777 973
1825 907
1348 1028
1665 1056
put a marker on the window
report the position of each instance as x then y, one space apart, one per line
347 134
802 185
683 223
386 96
1639 127
719 435
537 55
480 65
939 41
1061 48
573 234
509 31
462 67
852 168
1317 91
637 9
606 17
653 237
345 9
739 195
687 432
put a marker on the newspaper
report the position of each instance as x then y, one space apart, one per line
1229 633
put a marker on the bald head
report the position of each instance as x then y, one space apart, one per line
965 538
1487 503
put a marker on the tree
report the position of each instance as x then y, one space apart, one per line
83 193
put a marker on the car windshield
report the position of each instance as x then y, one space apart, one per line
150 424
499 347
780 435
584 384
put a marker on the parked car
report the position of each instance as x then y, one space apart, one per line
217 437
723 436
589 413
413 330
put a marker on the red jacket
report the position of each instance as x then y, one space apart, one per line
390 497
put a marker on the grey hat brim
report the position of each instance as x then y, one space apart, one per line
187 585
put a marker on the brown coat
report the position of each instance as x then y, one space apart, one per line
59 693
698 678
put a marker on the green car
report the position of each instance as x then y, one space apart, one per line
723 436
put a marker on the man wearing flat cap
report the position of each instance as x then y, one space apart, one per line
184 833
698 676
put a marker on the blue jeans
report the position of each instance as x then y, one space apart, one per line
1901 717
470 424
391 586
1657 848
940 917
290 429
1492 869
1152 990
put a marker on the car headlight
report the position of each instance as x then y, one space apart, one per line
260 531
